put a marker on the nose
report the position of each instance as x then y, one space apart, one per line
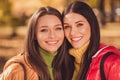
51 34
73 31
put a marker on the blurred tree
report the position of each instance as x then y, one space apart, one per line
5 17
93 3
59 4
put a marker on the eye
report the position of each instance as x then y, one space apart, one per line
79 24
67 27
59 28
43 30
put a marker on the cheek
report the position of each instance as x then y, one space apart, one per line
40 37
67 33
62 35
88 33
85 30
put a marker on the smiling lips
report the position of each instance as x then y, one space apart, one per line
76 39
51 42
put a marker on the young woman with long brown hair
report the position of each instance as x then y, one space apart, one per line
45 52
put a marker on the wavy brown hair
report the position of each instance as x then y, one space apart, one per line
60 63
86 11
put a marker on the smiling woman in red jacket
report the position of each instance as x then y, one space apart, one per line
83 35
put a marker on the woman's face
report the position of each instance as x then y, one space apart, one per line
49 33
77 29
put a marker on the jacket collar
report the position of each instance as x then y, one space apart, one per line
103 49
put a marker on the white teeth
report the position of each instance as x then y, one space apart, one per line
53 42
76 39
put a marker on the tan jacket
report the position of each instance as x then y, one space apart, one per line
14 71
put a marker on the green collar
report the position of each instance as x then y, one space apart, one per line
47 56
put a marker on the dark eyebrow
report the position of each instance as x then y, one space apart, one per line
75 22
66 23
42 26
47 26
78 21
58 25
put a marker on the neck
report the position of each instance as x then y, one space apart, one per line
78 53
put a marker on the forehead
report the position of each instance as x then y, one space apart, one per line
48 17
70 17
48 20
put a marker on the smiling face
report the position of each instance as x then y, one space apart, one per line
77 29
49 33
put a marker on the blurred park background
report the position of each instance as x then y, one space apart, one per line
14 16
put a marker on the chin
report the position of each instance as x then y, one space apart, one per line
76 47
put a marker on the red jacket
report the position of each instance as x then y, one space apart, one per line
111 64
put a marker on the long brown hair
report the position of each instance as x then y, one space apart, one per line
60 63
84 10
